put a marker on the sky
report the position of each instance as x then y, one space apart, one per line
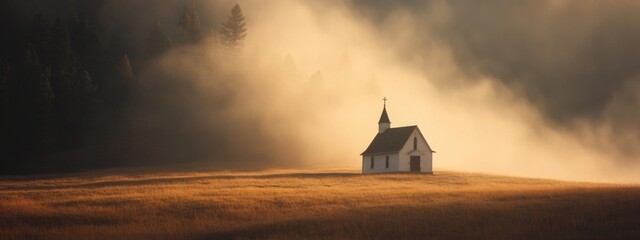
531 88
536 88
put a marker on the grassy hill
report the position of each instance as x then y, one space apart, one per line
339 204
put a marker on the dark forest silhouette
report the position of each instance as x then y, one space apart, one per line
68 83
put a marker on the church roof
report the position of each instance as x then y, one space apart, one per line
384 118
391 140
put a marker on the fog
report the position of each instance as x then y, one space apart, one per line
540 88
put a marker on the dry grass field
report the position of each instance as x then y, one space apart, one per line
334 204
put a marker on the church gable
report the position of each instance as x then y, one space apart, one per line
416 144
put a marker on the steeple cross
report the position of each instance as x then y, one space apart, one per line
385 101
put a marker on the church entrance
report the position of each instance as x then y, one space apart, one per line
414 163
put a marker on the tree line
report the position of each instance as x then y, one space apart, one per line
66 83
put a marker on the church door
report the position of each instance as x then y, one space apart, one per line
414 163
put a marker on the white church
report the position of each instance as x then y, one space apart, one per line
401 149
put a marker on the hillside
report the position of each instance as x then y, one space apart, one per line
312 204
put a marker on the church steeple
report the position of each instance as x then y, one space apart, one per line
384 118
384 122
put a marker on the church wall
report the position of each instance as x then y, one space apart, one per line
379 163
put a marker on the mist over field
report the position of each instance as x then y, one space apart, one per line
528 88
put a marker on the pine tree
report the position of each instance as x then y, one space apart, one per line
121 88
63 81
85 85
189 26
316 80
33 100
29 73
83 91
45 92
234 30
124 115
59 49
210 38
159 42
125 71
85 42
6 112
5 72
44 108
38 34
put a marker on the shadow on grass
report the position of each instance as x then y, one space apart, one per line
522 218
170 180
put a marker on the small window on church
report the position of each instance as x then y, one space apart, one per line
387 162
415 143
372 162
